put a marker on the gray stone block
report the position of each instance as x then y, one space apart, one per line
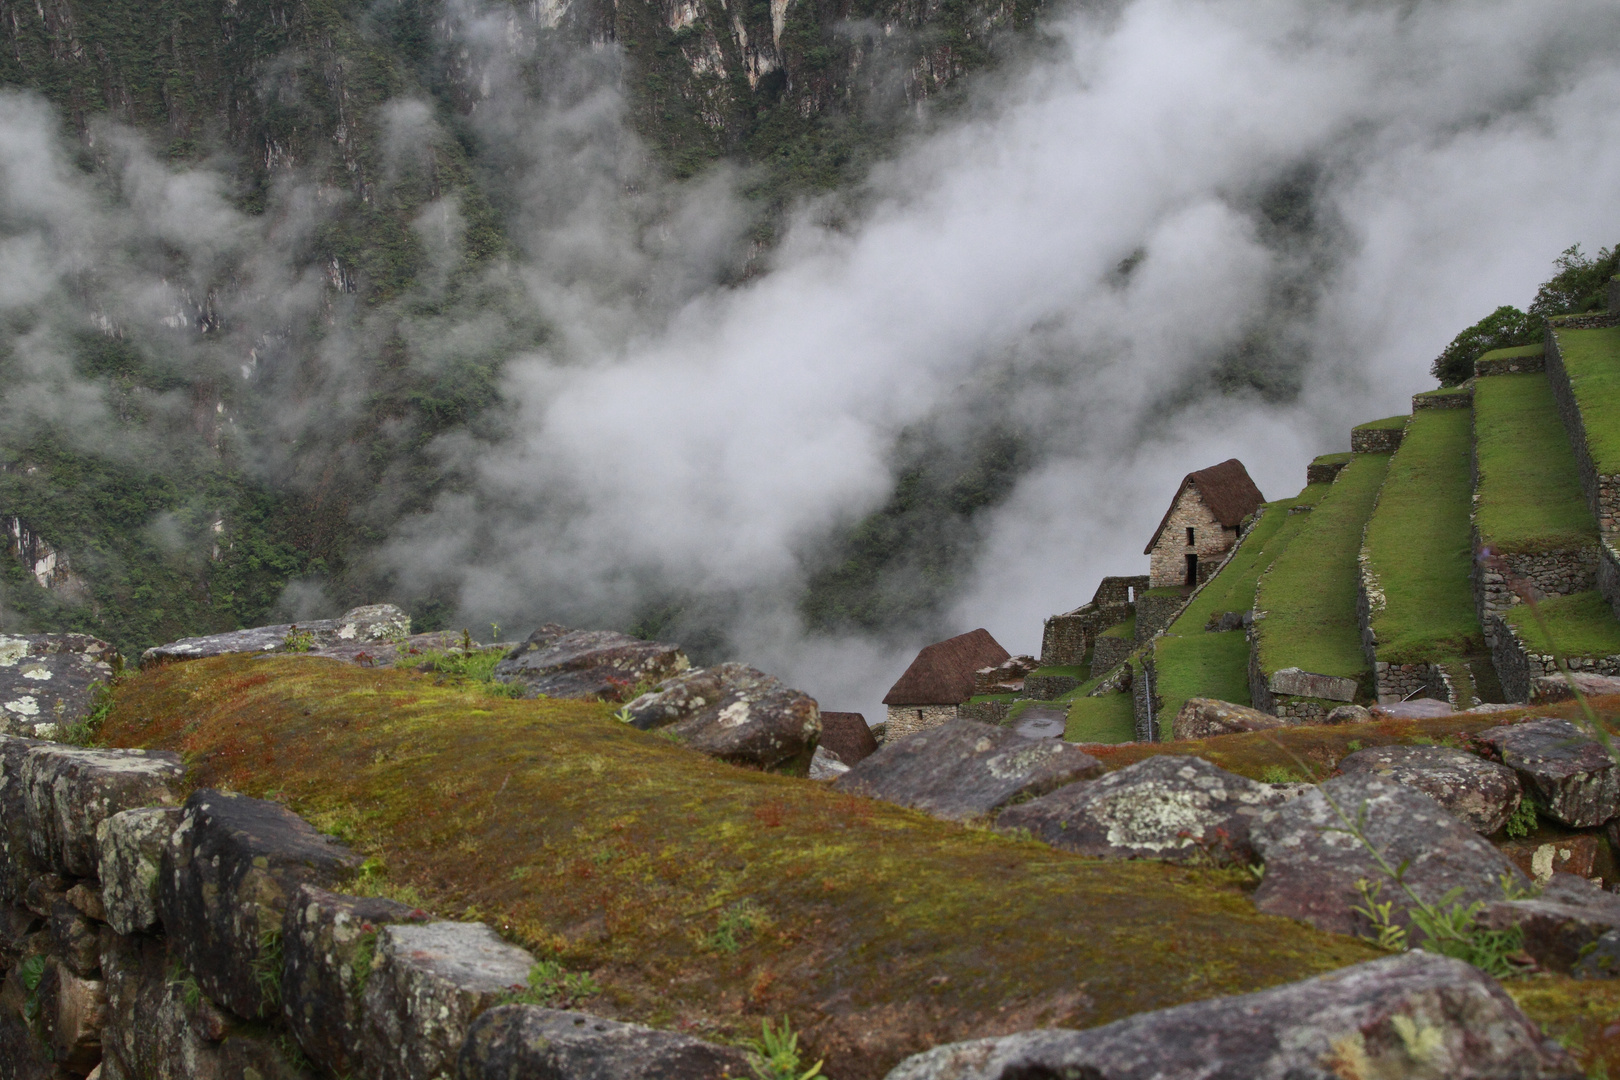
525 1042
69 791
602 664
131 844
1482 794
1201 718
50 681
1298 683
730 711
1569 774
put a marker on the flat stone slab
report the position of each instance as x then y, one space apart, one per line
1416 709
1482 794
429 982
49 682
229 870
963 770
68 791
1042 723
1567 773
731 711
1550 688
552 1044
372 623
1202 718
602 664
1301 683
390 653
1563 926
1173 807
1370 1016
1313 861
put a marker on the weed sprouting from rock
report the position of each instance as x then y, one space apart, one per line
553 986
1523 820
776 1054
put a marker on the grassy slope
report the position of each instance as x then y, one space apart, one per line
1529 496
1419 544
1515 353
1592 360
1581 624
1384 424
882 930
1309 594
1110 718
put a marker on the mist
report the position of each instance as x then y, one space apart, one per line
1181 232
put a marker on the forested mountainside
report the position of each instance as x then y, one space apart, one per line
346 294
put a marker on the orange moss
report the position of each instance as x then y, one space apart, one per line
877 930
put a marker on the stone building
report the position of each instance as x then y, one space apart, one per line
938 680
1201 525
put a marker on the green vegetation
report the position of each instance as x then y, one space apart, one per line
1126 629
1581 624
1309 593
457 793
1419 546
1528 497
1592 361
1108 718
1388 423
553 986
1518 353
777 1054
1201 665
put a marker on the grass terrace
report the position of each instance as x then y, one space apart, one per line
1580 624
1387 423
1592 361
1528 497
1201 665
1419 544
1110 718
1518 352
1445 392
1309 593
1126 630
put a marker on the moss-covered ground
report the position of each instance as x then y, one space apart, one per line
1528 496
1592 362
1309 593
1419 545
1581 624
1109 718
876 930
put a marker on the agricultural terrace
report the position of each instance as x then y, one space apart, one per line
1580 624
1419 546
1109 718
1309 593
1592 362
1528 497
1388 423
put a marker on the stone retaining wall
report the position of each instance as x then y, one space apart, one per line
143 937
1066 638
1048 687
1608 575
986 712
1154 613
1510 365
1376 440
1109 651
1518 667
1323 472
1602 489
1551 573
1457 399
1144 702
905 719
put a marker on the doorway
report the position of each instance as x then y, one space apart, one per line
1192 570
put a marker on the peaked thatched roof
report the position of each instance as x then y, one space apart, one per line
1225 488
942 674
847 735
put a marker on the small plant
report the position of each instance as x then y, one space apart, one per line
84 732
298 640
32 970
738 924
1280 774
1387 934
776 1054
623 715
365 958
267 965
1523 820
552 985
190 990
1353 745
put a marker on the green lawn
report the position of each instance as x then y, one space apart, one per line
1592 360
1200 665
1385 423
1529 496
1444 391
1309 594
1582 624
1419 545
1107 719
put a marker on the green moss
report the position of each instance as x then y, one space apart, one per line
1592 362
455 793
1309 593
1419 545
1386 424
1581 624
1529 495
1580 1014
1109 718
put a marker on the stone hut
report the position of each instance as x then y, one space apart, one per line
938 680
1201 524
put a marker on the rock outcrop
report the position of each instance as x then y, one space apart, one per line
359 626
1201 718
1572 777
1571 928
1413 1015
963 770
1545 689
48 682
1172 807
528 1041
558 662
1481 793
732 712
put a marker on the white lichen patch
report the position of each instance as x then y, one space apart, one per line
734 715
12 649
27 705
40 673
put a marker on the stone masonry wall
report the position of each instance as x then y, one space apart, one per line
1323 472
1511 365
1109 651
906 719
1154 613
1608 575
1602 489
1552 573
1376 440
1144 702
143 937
1457 399
1167 566
1067 638
1518 667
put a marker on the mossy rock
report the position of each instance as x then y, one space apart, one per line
705 895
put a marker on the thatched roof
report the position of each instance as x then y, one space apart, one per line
1225 488
942 674
848 735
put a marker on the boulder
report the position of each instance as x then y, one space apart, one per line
1482 794
1300 683
558 662
328 943
372 623
1313 862
730 711
1041 722
1201 718
18 866
68 791
826 765
962 770
848 735
1367 1020
50 681
131 845
387 653
1540 859
228 872
428 984
1563 925
1172 807
1545 689
1570 775
550 1044
1348 714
